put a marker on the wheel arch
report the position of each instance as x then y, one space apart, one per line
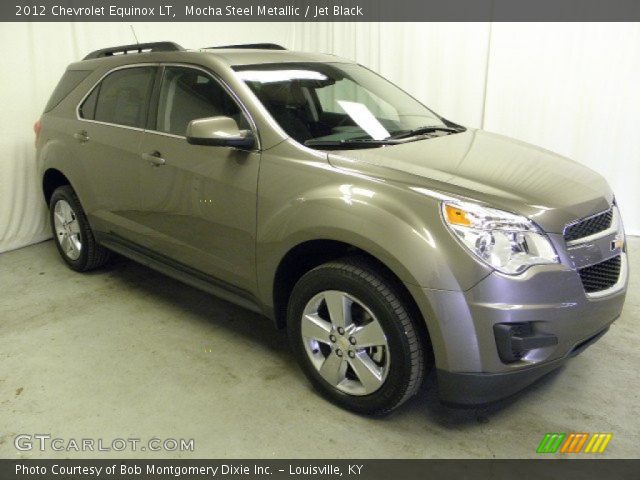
308 254
52 179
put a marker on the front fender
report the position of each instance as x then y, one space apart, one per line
303 200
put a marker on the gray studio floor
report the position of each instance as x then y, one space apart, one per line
128 353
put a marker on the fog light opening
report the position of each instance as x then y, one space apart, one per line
516 340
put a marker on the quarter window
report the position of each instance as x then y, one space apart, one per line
88 107
188 94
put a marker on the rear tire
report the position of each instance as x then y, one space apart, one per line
354 337
72 234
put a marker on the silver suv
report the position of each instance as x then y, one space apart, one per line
383 237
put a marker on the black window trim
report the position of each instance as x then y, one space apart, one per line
98 84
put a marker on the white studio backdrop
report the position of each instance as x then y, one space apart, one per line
569 87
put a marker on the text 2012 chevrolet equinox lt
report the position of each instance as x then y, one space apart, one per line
386 239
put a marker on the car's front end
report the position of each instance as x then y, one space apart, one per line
515 256
515 327
547 232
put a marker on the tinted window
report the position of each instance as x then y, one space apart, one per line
189 94
70 80
124 96
88 107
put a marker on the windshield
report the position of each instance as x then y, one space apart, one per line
323 103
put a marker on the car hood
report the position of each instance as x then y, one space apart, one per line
506 173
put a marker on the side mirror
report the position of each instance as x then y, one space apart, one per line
219 132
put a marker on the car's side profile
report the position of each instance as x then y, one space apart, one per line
384 238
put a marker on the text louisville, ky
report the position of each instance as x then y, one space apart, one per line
222 470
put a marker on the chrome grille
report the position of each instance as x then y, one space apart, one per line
601 276
588 226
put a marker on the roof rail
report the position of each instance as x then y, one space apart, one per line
257 46
138 48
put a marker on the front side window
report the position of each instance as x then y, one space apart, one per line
323 103
121 98
188 94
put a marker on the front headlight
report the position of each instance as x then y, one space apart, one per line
507 242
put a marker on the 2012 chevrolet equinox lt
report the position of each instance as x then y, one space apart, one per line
383 237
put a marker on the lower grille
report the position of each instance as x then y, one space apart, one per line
601 276
588 226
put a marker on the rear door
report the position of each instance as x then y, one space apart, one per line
111 123
198 205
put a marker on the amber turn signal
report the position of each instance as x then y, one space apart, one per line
456 216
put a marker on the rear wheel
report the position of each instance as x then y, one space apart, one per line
72 233
354 337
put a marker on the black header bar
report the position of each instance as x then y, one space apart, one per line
247 469
320 10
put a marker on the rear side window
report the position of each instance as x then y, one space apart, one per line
121 98
88 107
70 80
188 94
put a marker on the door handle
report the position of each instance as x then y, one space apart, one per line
154 158
81 136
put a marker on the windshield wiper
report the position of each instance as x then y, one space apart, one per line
424 130
349 144
404 136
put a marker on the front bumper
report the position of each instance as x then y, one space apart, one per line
550 298
473 389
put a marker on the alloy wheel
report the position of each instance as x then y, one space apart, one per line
345 342
67 229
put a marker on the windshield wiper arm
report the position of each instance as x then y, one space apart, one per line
424 130
396 139
348 144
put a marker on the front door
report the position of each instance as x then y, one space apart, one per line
198 205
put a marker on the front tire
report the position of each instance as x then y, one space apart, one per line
72 234
354 337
